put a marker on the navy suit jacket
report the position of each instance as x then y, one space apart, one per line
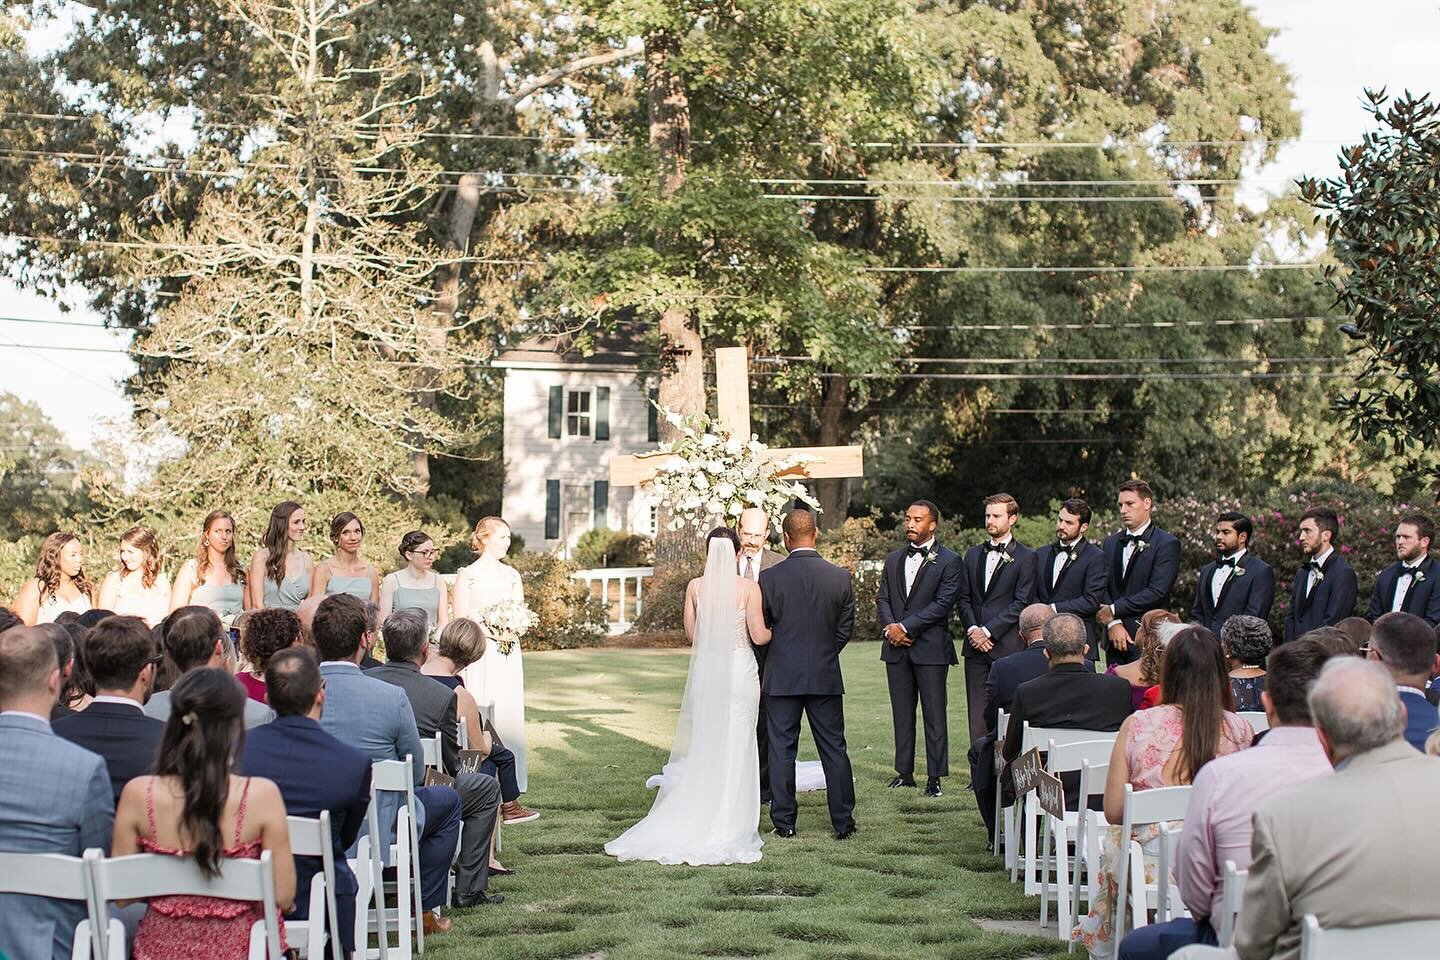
810 610
314 772
122 734
924 612
1251 593
1423 598
1006 675
1012 588
1332 599
1421 718
1145 585
1080 588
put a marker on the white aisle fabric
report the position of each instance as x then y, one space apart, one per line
809 777
495 677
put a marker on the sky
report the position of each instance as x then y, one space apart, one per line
1332 54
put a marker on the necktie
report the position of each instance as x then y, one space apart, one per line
750 571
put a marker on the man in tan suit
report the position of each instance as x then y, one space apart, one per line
754 530
1355 848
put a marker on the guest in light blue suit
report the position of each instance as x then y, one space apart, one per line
55 797
375 718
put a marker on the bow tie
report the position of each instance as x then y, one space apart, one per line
1314 564
995 547
1409 571
1068 551
1224 562
914 551
1130 538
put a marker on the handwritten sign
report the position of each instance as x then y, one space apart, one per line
434 778
470 760
1051 794
1025 770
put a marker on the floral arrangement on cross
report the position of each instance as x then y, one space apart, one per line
714 475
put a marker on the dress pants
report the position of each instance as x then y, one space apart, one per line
479 805
923 683
827 727
982 780
500 764
437 841
1159 940
762 732
977 671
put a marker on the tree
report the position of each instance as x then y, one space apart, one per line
1382 216
42 482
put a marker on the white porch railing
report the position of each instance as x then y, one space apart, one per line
619 609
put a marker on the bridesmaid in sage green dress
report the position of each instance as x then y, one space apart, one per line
213 577
346 571
280 570
416 584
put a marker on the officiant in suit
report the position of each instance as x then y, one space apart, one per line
1142 562
810 609
1236 582
1324 590
921 584
1408 585
755 556
1000 581
1070 573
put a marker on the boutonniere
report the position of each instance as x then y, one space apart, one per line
1419 576
1239 571
1142 545
1005 558
1317 574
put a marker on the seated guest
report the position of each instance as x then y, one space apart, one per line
1246 641
121 655
194 806
375 718
1006 675
79 689
314 772
1405 644
306 613
1163 747
1357 629
434 706
1164 633
65 657
1317 849
1143 672
194 639
267 632
54 796
461 643
1226 793
8 619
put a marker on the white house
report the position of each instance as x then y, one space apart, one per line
565 415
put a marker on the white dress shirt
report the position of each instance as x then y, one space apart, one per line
1128 551
1221 574
750 566
1318 559
1404 584
992 558
913 561
1061 557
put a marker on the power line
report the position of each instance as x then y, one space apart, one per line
1021 361
1289 375
58 323
1108 325
319 258
980 198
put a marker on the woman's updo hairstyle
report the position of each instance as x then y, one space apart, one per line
411 542
484 530
724 533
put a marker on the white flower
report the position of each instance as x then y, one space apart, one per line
708 441
733 446
700 482
673 418
715 507
725 489
755 495
716 467
736 508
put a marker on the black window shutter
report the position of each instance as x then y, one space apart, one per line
602 504
557 411
653 429
552 509
602 413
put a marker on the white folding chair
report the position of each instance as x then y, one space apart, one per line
1257 720
58 877
1003 815
396 776
431 748
1089 832
1167 896
312 838
369 871
462 735
1029 826
1142 807
1064 758
1410 940
143 876
1232 898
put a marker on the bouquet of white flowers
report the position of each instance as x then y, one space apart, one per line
713 475
507 621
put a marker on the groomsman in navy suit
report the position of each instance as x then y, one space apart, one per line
1070 573
1408 585
1325 588
922 583
1000 581
1235 583
1141 562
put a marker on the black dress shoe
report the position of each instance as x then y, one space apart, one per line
846 834
784 831
932 787
480 900
900 782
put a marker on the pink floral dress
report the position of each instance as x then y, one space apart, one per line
198 928
1153 738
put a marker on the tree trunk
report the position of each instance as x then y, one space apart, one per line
682 371
832 494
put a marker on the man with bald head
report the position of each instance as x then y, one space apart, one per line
755 556
1355 848
55 797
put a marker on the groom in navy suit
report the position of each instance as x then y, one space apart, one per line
1237 582
1142 562
1325 588
921 585
810 610
1000 582
1070 573
1408 585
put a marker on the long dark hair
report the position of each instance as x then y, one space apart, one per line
1196 679
47 567
277 540
201 739
202 551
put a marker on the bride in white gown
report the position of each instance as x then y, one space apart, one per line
708 809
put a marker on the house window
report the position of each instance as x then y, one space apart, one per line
577 413
654 520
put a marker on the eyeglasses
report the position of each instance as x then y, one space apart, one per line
424 553
156 660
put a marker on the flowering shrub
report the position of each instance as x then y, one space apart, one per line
711 474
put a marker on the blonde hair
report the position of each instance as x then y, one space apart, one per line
461 642
484 530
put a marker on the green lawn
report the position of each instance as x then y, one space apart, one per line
600 721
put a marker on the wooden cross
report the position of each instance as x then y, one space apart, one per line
732 391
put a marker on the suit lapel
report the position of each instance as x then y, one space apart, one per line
1229 579
1000 566
1065 567
1414 590
1135 556
931 560
977 573
1117 560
